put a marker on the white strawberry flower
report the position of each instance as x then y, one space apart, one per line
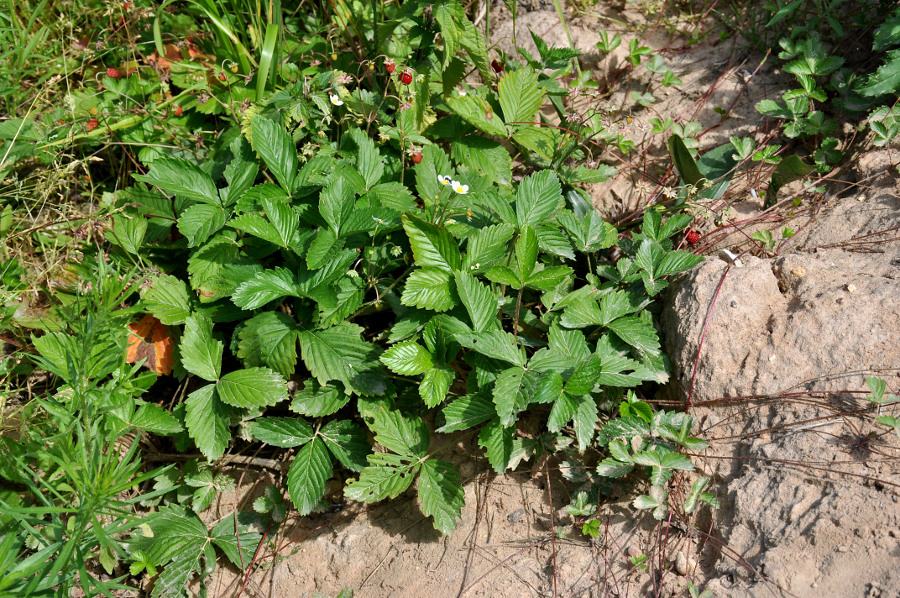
460 188
444 179
336 100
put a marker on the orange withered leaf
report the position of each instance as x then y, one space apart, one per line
150 340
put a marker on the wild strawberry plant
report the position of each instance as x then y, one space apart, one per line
388 294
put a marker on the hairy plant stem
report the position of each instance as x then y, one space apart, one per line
518 307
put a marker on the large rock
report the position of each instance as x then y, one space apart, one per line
795 323
808 482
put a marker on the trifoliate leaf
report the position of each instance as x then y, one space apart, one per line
504 275
551 239
412 323
590 233
485 157
570 343
581 312
393 195
153 418
251 201
256 225
403 435
585 421
322 248
613 468
237 547
266 286
497 344
240 172
562 413
181 542
128 231
472 41
368 158
526 252
548 278
637 331
336 204
199 222
478 112
218 267
550 387
585 376
886 80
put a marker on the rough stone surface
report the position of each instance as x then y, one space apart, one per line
770 331
810 499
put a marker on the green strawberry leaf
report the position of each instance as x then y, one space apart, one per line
441 494
201 354
308 474
285 432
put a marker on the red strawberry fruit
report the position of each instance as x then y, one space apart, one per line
406 78
112 73
178 110
389 65
498 68
417 157
692 237
92 124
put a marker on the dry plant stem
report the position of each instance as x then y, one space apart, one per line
15 344
502 563
606 574
250 569
706 319
800 464
859 240
729 552
272 464
479 515
552 524
237 534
